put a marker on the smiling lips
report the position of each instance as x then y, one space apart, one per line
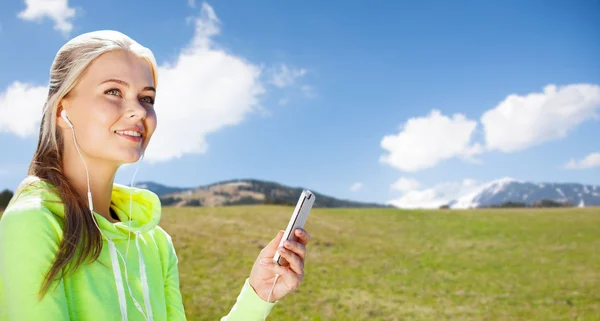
134 135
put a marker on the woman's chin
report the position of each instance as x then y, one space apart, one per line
130 158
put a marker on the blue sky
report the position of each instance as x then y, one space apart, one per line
370 101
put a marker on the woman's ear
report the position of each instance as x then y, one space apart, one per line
62 120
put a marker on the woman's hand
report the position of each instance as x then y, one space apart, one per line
290 273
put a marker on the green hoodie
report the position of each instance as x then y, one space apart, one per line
31 229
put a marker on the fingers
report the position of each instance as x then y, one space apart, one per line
290 278
297 248
303 236
294 260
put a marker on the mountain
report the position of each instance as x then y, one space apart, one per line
159 189
507 190
496 193
242 192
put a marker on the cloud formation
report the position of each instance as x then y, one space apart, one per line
590 161
405 185
433 197
284 76
425 141
21 106
204 90
515 124
519 122
57 10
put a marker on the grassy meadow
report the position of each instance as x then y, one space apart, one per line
386 264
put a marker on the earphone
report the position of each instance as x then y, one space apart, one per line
63 114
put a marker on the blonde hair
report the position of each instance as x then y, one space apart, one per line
81 238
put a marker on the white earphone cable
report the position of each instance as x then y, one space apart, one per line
130 204
91 206
269 297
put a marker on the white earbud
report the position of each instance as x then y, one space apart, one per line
63 114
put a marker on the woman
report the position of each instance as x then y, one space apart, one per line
65 236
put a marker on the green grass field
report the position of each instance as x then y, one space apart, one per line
385 264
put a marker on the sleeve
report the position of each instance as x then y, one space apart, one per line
249 306
29 241
175 309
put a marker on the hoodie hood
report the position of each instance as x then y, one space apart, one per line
139 212
142 205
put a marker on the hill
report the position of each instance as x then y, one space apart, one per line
244 192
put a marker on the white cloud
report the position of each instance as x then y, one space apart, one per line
436 196
356 187
284 76
204 90
21 106
520 122
405 184
57 10
516 123
425 141
426 198
590 161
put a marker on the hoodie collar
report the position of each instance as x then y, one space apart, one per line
142 205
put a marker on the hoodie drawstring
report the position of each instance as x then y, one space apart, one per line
119 281
144 278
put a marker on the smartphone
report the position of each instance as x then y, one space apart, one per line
299 216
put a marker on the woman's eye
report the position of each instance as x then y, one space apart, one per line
147 99
113 91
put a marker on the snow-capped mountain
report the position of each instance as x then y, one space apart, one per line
512 190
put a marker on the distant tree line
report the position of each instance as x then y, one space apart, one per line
170 201
537 204
540 203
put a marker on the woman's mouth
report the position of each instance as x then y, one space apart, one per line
131 135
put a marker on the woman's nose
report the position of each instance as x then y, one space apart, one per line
136 109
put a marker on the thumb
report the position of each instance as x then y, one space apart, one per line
271 248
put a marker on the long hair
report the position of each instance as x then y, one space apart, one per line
81 238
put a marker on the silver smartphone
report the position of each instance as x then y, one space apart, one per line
298 219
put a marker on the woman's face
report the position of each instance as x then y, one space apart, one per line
110 106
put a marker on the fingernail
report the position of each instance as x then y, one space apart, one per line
282 250
287 243
263 263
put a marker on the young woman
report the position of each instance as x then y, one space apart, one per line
76 246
